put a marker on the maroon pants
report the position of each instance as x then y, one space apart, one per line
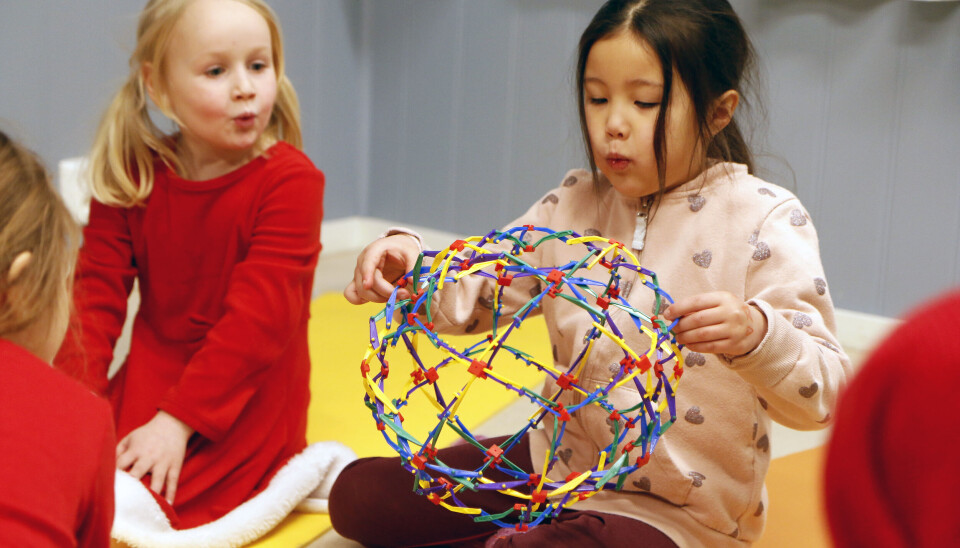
373 503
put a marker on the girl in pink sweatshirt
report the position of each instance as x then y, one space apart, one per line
659 84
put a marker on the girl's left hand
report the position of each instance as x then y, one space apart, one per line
156 448
717 323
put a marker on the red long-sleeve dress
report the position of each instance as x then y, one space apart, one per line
225 270
56 457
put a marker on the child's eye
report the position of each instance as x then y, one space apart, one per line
598 101
215 71
258 66
642 104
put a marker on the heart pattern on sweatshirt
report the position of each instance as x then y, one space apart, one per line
762 252
766 192
643 483
565 455
801 320
697 478
820 285
703 259
486 302
550 199
696 202
763 443
830 345
693 415
535 290
695 358
809 391
570 181
759 511
797 218
591 232
472 326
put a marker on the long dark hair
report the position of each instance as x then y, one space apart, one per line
705 43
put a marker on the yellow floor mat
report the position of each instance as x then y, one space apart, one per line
338 339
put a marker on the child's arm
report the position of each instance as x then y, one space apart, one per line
104 279
797 367
267 301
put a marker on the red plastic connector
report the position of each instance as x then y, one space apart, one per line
562 411
603 302
417 376
458 245
495 453
477 369
432 375
505 280
564 381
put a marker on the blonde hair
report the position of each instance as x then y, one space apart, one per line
34 219
123 152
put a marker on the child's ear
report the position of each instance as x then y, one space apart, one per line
723 109
18 265
146 76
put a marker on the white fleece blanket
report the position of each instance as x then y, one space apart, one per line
302 484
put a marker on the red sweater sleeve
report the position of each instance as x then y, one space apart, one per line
105 274
267 299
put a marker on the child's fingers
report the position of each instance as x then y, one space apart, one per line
157 478
173 477
122 448
352 295
140 468
683 307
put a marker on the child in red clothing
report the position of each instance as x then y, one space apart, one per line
219 223
890 471
56 480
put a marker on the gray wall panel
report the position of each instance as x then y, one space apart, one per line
458 114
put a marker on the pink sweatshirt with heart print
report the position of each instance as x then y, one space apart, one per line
723 231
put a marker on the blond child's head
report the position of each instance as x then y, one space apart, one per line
128 141
38 250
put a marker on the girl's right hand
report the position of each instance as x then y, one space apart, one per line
379 265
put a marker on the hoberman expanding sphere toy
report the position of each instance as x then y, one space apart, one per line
539 495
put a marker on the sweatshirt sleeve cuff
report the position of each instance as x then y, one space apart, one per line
776 355
394 230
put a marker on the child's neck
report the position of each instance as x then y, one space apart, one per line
201 164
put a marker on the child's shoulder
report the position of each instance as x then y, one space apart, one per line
26 372
733 184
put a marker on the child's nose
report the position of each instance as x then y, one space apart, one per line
617 127
243 86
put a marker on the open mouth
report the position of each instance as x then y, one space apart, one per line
617 162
